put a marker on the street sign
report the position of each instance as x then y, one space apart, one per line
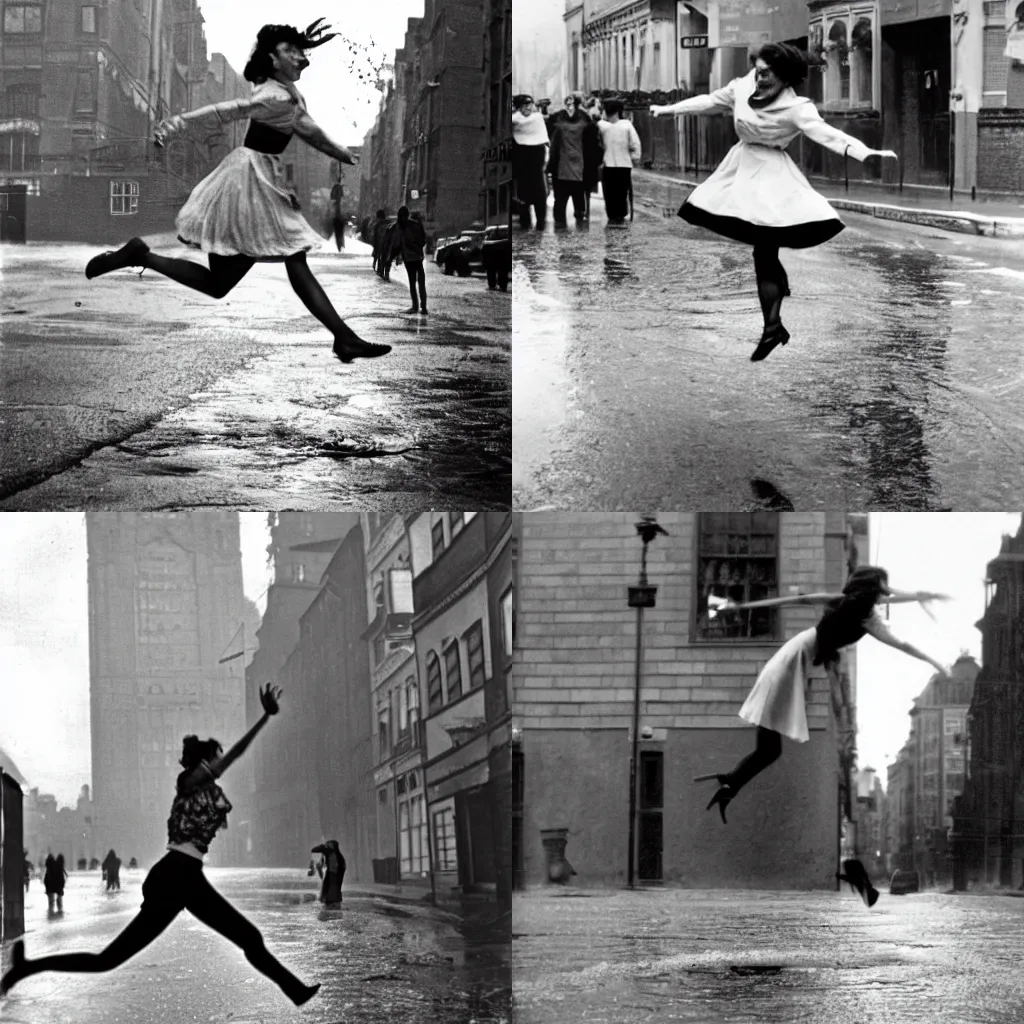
693 42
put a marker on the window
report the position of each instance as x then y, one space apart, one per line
404 843
437 538
403 709
453 671
382 796
475 654
413 700
85 93
455 521
21 101
444 840
737 559
418 835
507 623
289 173
838 80
400 785
860 62
298 573
124 197
23 18
89 19
435 696
953 725
383 724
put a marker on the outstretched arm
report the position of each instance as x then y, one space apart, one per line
817 129
218 113
721 101
775 602
309 131
880 631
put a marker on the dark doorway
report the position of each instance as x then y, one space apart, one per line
480 835
12 213
518 868
652 789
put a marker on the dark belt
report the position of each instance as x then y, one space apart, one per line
264 139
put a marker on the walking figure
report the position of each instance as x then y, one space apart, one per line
112 871
575 158
176 882
757 194
378 233
53 882
337 216
407 241
529 159
622 149
331 868
777 703
242 212
27 869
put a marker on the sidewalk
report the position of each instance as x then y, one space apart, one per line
994 218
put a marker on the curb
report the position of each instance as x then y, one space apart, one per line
946 220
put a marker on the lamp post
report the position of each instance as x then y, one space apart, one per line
641 596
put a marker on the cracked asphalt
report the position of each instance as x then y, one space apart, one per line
129 392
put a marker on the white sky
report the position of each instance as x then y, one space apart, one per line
44 642
338 101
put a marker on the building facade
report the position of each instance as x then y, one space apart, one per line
165 601
574 670
462 572
496 158
67 830
12 892
986 841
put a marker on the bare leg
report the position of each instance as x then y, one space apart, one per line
223 274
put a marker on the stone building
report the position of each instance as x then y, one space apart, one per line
67 830
574 677
462 580
986 843
165 601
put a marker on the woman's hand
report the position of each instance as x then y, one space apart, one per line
269 698
924 595
886 154
657 111
167 127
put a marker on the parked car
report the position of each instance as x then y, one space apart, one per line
464 254
903 882
497 256
439 247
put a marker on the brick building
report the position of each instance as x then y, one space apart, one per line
81 88
496 184
986 842
165 601
573 688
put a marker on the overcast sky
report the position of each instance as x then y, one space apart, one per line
44 642
339 101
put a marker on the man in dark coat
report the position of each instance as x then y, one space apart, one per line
575 157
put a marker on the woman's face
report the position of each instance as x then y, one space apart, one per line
768 83
527 108
290 61
570 105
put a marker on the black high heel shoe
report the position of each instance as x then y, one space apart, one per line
723 795
131 254
855 875
14 975
774 334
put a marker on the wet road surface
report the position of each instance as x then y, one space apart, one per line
901 388
378 963
138 393
787 958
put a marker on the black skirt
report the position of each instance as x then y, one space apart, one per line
528 172
794 236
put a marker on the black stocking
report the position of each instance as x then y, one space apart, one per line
772 282
224 273
315 299
766 753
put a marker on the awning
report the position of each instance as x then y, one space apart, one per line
19 125
697 6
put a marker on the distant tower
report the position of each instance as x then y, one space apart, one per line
165 600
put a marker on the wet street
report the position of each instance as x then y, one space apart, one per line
138 393
901 388
380 963
675 955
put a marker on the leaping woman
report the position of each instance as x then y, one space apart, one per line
757 194
242 212
176 882
777 703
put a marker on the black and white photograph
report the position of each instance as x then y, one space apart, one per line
765 255
256 767
767 767
255 255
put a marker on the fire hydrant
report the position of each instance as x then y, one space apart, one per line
554 840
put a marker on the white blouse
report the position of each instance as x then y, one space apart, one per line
271 103
529 130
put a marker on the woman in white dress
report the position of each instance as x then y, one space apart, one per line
242 212
758 195
777 703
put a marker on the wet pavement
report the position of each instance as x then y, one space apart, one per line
672 955
901 387
379 963
138 393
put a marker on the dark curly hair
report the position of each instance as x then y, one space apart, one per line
841 622
194 750
261 65
789 63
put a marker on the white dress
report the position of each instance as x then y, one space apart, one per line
244 207
778 700
757 194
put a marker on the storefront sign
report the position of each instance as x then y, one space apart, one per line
693 42
739 23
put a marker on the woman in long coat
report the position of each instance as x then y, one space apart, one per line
758 195
331 869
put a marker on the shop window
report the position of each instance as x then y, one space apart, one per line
861 63
838 77
89 20
444 840
737 560
475 654
124 197
435 696
453 671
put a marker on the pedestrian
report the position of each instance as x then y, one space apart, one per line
407 241
338 218
133 864
622 150
242 213
377 231
387 250
112 871
176 882
758 195
27 869
53 882
777 703
575 158
529 160
331 869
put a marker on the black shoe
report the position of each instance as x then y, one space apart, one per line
855 875
131 254
723 795
304 994
413 309
362 350
774 334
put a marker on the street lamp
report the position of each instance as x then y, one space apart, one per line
641 596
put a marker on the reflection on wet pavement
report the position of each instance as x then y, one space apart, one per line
897 390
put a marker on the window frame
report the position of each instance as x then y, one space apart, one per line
448 674
437 532
435 697
24 7
122 191
475 631
444 830
95 20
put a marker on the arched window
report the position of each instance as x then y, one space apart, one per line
453 671
861 62
838 62
435 696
